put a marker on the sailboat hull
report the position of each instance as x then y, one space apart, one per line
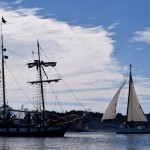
32 131
138 130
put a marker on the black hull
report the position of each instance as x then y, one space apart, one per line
133 131
33 131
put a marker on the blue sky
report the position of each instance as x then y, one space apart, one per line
93 41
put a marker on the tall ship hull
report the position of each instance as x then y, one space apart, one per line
33 131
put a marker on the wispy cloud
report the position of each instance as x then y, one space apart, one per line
10 2
142 36
17 2
112 26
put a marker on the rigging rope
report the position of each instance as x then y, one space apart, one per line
16 64
65 83
56 98
18 84
50 85
55 95
70 89
18 55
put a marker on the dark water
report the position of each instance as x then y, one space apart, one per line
80 141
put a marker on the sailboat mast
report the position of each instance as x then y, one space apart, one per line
3 74
41 83
130 80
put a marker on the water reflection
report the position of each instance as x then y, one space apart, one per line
82 141
3 144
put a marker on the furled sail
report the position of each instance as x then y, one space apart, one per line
134 110
111 110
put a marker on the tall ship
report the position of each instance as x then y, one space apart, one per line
35 123
136 121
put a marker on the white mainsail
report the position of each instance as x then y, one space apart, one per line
134 110
111 110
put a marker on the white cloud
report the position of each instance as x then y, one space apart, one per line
9 3
112 26
84 55
18 1
142 36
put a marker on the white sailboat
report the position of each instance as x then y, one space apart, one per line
135 120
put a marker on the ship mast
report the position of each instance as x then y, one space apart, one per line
3 70
130 80
40 73
40 66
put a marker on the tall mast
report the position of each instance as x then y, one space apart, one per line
40 73
130 80
40 67
3 70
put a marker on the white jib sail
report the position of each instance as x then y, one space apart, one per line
111 110
135 112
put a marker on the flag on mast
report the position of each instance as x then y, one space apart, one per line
3 20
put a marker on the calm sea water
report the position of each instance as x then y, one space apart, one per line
80 141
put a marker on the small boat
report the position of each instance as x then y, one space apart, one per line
136 122
35 123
